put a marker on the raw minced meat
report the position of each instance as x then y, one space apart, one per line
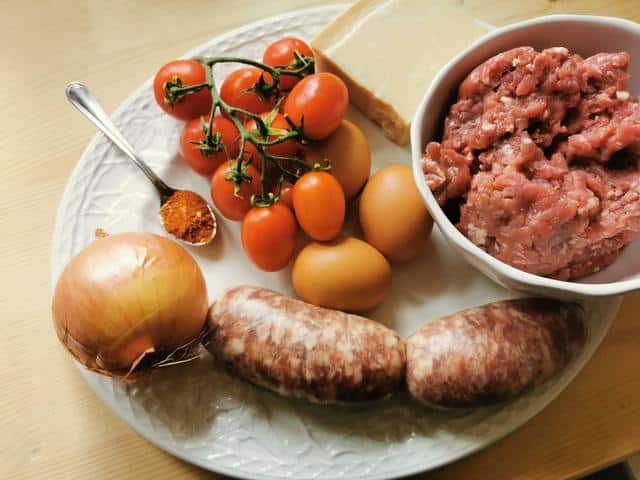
541 150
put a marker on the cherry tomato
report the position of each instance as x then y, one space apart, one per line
184 72
322 99
319 205
235 86
233 206
269 236
202 160
286 195
280 54
287 148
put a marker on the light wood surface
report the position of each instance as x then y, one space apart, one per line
52 425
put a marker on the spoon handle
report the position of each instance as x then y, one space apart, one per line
80 97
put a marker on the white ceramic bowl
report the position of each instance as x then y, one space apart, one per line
585 35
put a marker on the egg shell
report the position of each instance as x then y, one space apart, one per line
348 151
345 274
393 215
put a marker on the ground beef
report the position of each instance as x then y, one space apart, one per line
541 151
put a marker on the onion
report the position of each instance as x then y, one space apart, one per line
129 302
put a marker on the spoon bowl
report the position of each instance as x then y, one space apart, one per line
165 199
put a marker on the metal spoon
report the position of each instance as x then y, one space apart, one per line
81 98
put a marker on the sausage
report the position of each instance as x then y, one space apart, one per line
491 353
300 350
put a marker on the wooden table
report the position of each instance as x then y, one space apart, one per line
52 425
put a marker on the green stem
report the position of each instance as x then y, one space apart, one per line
298 72
263 173
230 111
308 64
234 114
211 61
188 89
240 156
296 160
276 159
288 173
283 138
214 105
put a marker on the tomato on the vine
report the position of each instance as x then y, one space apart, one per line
322 100
281 54
200 156
235 90
234 205
274 121
269 236
182 73
319 205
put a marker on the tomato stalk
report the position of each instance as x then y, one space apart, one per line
212 112
211 143
299 67
175 91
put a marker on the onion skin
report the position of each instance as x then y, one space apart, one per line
128 295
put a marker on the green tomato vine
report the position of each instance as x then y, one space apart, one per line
289 167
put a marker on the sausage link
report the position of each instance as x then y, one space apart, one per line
300 350
490 353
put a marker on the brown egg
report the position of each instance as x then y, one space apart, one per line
345 274
393 216
348 151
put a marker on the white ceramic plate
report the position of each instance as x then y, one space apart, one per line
226 425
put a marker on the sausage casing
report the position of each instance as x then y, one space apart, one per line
491 353
300 350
